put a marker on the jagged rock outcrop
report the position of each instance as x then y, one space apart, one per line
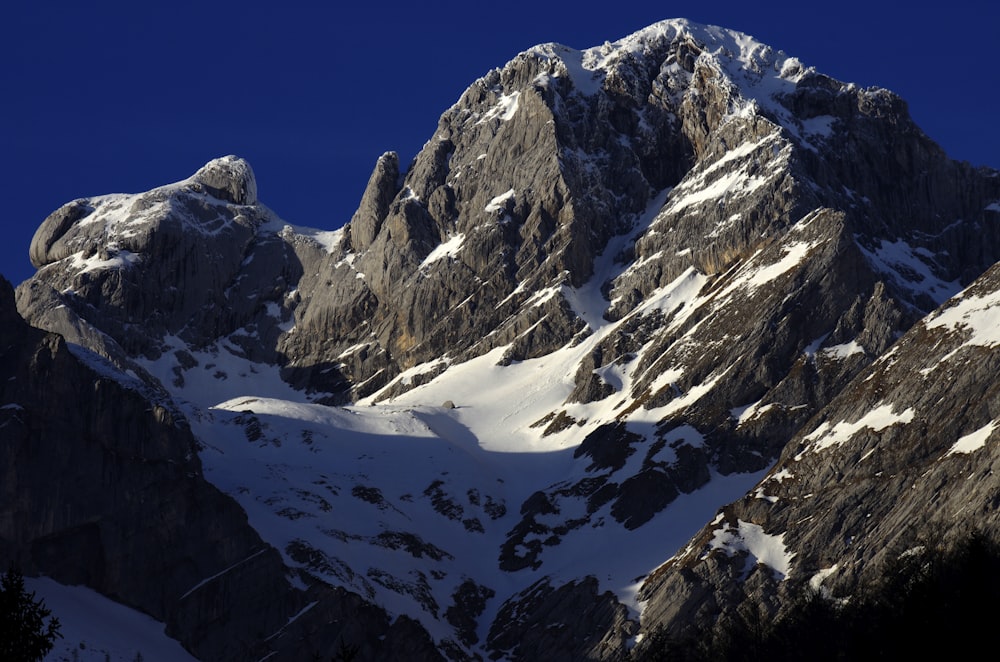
382 188
571 622
193 260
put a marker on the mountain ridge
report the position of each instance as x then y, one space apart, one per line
666 254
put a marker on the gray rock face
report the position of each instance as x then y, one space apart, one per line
186 259
382 188
43 245
229 178
102 489
901 457
721 246
590 626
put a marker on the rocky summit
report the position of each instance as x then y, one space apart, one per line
644 334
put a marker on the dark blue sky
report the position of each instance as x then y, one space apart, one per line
121 97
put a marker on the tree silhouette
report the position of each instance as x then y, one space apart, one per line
24 634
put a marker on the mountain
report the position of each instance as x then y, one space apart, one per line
622 292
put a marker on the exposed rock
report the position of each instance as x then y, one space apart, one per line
608 447
104 490
469 602
569 622
382 188
229 178
45 245
902 455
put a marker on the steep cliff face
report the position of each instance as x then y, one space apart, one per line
104 488
901 459
639 270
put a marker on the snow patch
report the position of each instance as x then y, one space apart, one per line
816 581
498 202
730 184
753 276
876 419
784 474
96 629
977 316
909 267
543 296
749 538
792 257
505 108
123 259
844 350
813 347
329 240
744 413
680 292
447 249
586 73
973 441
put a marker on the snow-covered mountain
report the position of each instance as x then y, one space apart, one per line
498 408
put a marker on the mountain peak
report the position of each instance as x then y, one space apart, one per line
229 178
